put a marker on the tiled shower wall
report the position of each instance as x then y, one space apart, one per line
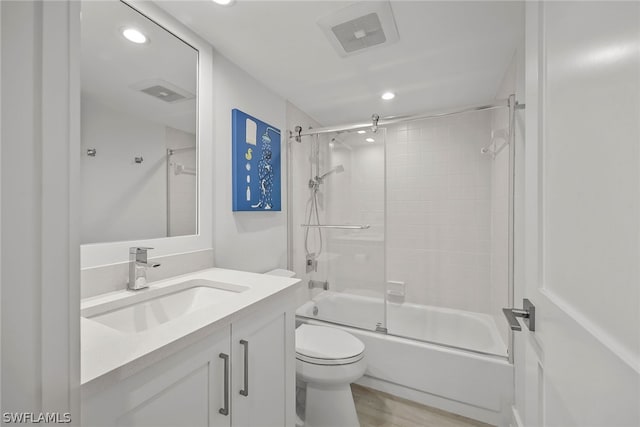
439 213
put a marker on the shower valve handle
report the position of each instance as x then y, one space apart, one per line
311 263
318 284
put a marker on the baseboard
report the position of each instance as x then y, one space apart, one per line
466 410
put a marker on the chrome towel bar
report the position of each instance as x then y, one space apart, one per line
343 227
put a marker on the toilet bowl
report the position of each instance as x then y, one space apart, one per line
328 360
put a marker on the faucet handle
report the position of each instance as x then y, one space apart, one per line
138 249
139 253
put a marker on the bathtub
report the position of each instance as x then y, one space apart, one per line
468 374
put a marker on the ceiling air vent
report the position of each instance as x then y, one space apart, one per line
163 90
360 26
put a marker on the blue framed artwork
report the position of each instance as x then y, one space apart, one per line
256 164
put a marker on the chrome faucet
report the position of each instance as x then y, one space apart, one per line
138 268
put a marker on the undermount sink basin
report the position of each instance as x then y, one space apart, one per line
150 308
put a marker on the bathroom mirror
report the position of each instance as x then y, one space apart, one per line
139 135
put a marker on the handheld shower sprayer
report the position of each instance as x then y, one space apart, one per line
313 211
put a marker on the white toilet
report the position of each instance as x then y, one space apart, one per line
328 360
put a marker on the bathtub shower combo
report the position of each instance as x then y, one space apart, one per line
403 230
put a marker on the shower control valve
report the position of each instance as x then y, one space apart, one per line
311 263
318 284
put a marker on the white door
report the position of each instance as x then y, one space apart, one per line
581 217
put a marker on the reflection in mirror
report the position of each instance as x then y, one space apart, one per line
138 121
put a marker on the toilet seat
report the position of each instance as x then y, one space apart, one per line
328 360
322 345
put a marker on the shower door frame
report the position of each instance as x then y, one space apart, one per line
512 104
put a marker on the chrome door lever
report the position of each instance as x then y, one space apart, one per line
528 314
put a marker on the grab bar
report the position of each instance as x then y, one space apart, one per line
342 227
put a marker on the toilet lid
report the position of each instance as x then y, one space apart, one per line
322 344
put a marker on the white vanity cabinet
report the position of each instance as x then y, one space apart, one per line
260 358
184 389
199 386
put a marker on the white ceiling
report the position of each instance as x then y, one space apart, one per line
110 64
450 53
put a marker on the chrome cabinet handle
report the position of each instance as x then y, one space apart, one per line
225 410
528 314
245 391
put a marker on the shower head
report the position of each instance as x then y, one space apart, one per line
314 183
337 169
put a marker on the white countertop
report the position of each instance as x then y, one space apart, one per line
105 350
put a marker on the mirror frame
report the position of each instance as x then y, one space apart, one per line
98 254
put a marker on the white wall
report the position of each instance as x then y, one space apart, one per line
39 238
250 241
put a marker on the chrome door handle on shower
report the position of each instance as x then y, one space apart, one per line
245 390
528 314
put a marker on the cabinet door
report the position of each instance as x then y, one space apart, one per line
261 382
185 389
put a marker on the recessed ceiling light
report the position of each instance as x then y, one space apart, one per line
134 35
224 2
370 140
388 96
362 131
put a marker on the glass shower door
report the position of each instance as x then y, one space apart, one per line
342 228
447 230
